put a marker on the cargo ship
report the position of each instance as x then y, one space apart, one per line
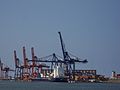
58 75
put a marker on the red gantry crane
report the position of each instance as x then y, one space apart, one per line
29 70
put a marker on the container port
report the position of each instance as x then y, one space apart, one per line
52 68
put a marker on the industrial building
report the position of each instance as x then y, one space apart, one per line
115 75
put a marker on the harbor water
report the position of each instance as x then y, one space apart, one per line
12 85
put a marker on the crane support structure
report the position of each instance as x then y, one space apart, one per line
63 46
69 62
33 60
15 57
24 57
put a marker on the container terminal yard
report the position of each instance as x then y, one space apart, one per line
52 68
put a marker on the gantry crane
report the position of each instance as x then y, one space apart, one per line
21 71
18 67
69 62
53 59
35 64
27 70
4 70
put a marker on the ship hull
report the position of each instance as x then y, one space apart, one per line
59 80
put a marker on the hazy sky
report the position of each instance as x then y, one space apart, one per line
90 29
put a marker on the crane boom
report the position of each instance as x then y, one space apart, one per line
62 45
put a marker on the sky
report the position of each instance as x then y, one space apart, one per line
90 30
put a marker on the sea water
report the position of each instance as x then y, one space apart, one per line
18 85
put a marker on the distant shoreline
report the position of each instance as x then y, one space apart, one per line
113 81
109 81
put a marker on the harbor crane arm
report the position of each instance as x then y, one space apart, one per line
63 46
